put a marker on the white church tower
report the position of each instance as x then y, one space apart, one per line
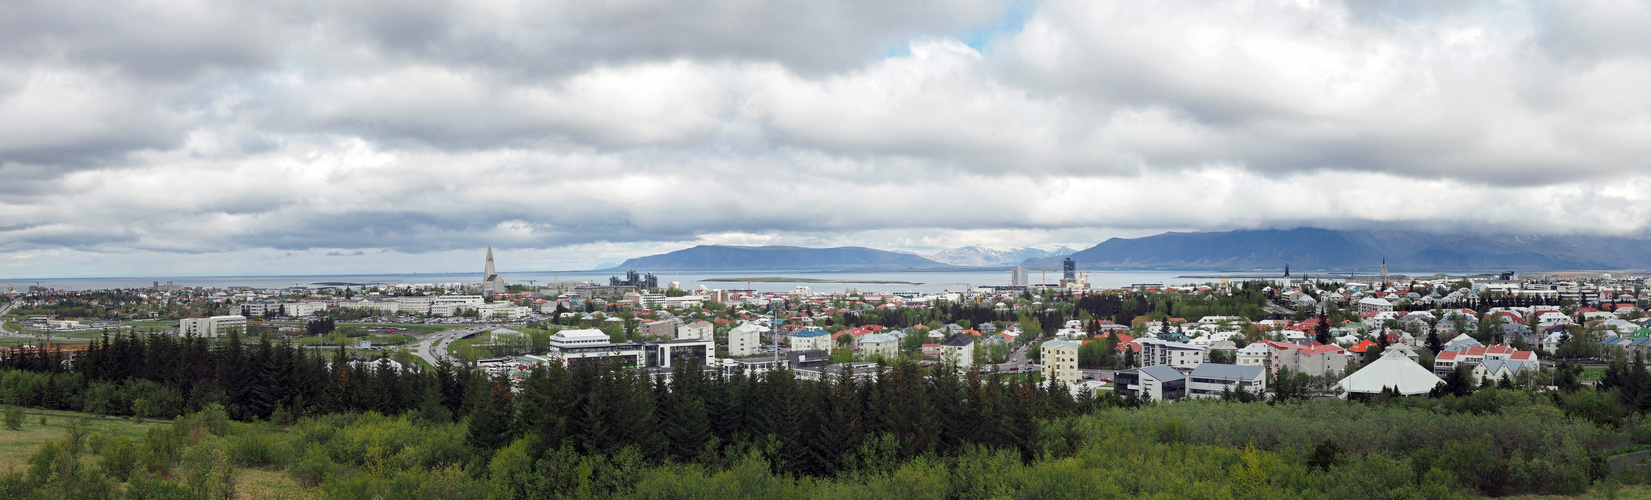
491 281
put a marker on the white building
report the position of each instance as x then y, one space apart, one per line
1372 304
202 326
454 305
1255 354
1020 277
958 349
809 339
880 344
745 340
1164 352
1209 380
302 309
578 338
1392 371
697 330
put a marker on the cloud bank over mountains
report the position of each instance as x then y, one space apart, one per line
281 137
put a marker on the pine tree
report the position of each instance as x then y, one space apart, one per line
491 424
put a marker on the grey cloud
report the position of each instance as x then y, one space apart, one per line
419 128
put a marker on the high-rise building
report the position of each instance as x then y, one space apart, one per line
491 281
1020 277
1069 269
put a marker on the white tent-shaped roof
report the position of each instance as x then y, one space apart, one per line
1394 370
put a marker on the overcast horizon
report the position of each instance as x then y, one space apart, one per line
294 138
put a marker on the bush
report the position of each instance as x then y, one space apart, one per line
314 468
14 417
119 457
251 449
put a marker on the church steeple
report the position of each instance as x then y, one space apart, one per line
1384 273
489 272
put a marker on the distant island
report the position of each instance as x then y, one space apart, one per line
776 279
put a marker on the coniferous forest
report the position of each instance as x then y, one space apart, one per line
360 429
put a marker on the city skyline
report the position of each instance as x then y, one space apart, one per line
232 140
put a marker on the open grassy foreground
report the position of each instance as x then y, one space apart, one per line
16 446
35 442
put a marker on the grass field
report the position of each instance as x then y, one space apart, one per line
1630 492
1593 373
16 447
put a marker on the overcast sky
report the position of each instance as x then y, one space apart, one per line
162 137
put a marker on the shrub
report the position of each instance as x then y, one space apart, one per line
14 417
119 457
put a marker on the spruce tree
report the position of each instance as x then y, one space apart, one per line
491 424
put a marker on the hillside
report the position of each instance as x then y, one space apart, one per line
1325 249
983 256
732 258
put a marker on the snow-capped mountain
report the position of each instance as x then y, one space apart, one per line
983 256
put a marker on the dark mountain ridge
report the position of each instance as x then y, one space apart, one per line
1329 249
735 258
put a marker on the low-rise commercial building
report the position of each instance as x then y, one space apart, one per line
214 326
1210 380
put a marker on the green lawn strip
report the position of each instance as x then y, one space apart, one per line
16 446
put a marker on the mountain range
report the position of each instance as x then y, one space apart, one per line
1300 248
1329 249
732 258
984 256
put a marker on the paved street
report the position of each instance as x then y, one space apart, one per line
5 308
433 348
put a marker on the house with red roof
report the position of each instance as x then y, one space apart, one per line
1314 359
1446 361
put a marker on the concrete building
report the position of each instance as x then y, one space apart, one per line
882 345
697 330
302 309
578 338
454 305
491 281
1158 382
808 339
958 349
260 309
664 328
203 326
419 304
1164 352
1060 361
1020 277
1210 380
1372 304
1315 360
745 340
1255 354
584 346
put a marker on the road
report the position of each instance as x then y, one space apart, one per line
1275 308
5 308
433 348
1017 362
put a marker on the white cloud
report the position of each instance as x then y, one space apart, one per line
582 133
